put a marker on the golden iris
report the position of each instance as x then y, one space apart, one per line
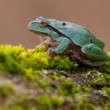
43 24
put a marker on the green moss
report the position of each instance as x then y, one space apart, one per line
105 68
68 88
82 103
57 101
106 107
15 60
62 63
41 84
32 75
55 77
15 107
107 77
86 89
36 61
8 59
18 107
96 80
40 48
6 90
44 103
107 89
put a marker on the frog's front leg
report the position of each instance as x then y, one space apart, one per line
64 43
97 56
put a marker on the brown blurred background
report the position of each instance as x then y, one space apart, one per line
16 14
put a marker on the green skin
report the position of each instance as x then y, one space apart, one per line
70 39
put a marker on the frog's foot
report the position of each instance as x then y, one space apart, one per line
61 48
44 45
52 53
32 50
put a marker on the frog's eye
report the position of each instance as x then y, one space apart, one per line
43 24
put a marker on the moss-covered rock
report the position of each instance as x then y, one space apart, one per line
32 80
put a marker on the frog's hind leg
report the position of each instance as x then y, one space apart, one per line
98 56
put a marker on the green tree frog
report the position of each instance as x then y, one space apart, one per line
61 37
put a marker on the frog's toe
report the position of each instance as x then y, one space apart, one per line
51 52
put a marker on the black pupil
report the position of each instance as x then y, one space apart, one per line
42 22
63 23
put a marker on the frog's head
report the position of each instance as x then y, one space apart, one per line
43 30
39 25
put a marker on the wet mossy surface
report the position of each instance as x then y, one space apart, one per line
32 80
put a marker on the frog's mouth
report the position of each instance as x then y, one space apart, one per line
47 40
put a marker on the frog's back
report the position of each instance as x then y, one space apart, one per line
79 35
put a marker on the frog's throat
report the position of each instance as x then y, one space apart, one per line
47 40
